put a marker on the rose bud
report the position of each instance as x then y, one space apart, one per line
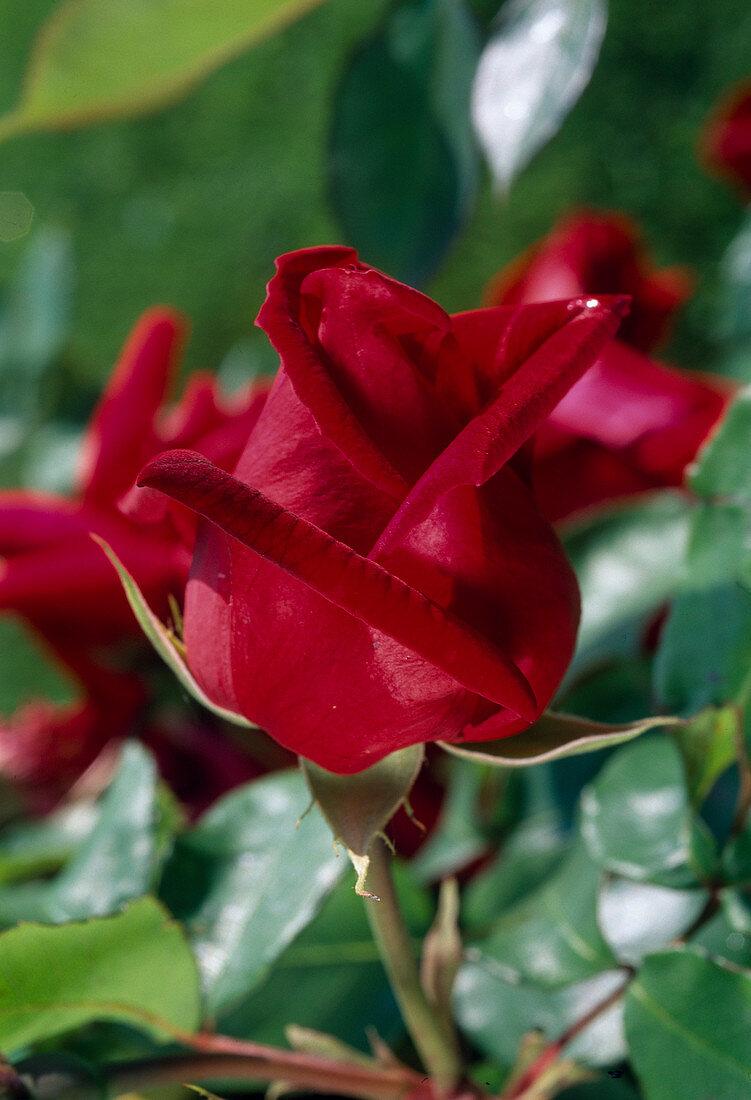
631 424
726 145
52 572
376 572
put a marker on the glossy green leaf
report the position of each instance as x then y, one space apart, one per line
637 918
723 942
358 807
723 466
136 968
33 848
709 745
332 963
496 1013
118 861
736 905
734 325
688 1022
636 818
247 879
704 653
404 167
536 65
527 858
101 59
162 639
551 937
628 562
552 737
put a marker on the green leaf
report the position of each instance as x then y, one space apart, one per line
61 1077
458 836
637 918
358 807
333 962
102 59
247 879
736 859
527 858
116 859
135 968
599 1090
495 1014
562 916
723 466
680 1046
709 745
636 818
705 648
34 848
628 562
736 904
533 70
16 215
551 737
404 167
163 640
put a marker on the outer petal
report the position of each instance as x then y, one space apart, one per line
541 377
121 434
282 319
366 591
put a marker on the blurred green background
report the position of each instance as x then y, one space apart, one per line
191 206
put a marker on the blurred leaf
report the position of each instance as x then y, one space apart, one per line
628 562
551 938
667 1011
637 918
119 860
458 835
723 466
735 280
636 818
358 807
32 848
605 1089
709 745
57 1076
538 62
495 1014
135 967
101 59
527 858
332 963
404 166
247 879
736 904
723 942
704 653
37 307
16 215
551 737
162 640
736 859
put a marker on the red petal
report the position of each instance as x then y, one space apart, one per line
355 584
121 434
580 330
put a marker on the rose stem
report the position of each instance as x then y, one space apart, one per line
436 1045
310 1072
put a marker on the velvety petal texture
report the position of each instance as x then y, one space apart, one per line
631 423
376 573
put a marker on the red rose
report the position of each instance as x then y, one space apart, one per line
631 424
376 573
726 145
52 572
